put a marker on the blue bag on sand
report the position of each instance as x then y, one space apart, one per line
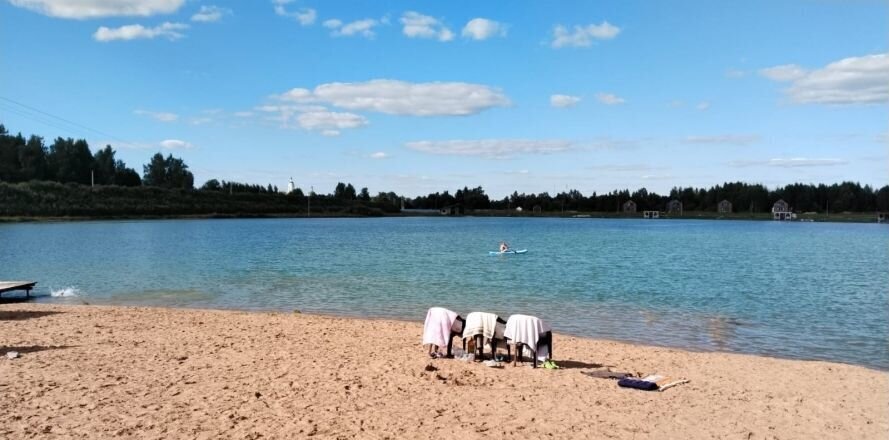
637 384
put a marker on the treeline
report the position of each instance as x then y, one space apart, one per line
65 160
41 180
53 199
744 197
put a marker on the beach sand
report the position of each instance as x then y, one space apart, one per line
120 372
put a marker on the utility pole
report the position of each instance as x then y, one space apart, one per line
92 178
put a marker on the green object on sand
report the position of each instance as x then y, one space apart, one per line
550 365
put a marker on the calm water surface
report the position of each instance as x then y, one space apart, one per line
799 290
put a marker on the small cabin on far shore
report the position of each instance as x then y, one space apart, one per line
674 207
629 207
882 217
781 211
724 207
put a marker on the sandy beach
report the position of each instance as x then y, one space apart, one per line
121 372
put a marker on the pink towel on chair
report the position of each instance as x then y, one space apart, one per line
437 329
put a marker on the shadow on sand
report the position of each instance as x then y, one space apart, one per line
33 348
577 364
21 315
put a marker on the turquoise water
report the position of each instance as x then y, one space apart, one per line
798 290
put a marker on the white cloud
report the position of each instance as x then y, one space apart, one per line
359 27
854 80
583 36
210 14
297 94
304 16
404 98
329 123
175 144
379 155
166 30
482 29
795 162
724 139
703 105
82 9
491 148
563 101
417 25
333 23
159 116
609 99
785 72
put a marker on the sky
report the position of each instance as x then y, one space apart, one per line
426 96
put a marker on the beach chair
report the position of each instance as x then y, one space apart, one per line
485 327
440 328
529 331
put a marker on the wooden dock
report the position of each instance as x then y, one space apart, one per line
8 286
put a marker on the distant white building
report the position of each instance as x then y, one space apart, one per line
290 186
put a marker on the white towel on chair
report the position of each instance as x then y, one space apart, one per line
480 323
437 328
524 329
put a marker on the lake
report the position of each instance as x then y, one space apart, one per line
796 290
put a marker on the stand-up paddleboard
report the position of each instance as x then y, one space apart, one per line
520 251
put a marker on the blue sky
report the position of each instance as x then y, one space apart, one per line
425 96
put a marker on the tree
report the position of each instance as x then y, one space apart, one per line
211 185
9 156
124 176
32 158
365 195
177 173
349 193
104 166
70 160
340 191
171 172
155 172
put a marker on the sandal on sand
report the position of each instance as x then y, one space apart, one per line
550 365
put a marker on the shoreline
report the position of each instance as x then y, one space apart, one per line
98 371
333 315
857 217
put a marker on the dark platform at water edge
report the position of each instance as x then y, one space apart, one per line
9 286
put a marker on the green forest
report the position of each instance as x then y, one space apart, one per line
66 179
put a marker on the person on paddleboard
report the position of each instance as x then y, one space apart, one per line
504 246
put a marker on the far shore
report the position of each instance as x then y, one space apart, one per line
849 217
140 372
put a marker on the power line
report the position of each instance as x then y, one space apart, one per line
28 111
